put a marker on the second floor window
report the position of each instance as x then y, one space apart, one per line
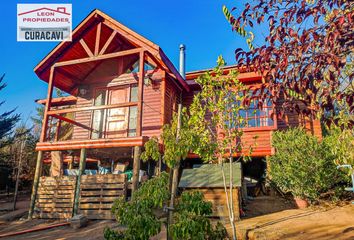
254 117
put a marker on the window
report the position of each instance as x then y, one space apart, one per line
258 118
98 115
135 67
254 117
133 111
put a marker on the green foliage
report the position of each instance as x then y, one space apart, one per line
177 150
153 192
240 30
191 221
8 121
152 150
340 144
302 165
215 113
137 215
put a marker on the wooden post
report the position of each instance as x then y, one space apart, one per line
37 175
47 106
137 149
140 94
136 167
78 182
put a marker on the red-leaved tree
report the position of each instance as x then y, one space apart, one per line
307 53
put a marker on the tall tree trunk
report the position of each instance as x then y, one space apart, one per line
175 169
19 168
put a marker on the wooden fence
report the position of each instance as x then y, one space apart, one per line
55 197
98 192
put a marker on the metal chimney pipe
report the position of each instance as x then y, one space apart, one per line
182 60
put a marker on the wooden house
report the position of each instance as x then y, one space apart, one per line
120 89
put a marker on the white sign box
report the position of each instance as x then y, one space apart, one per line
44 22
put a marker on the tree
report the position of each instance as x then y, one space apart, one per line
8 121
178 140
152 151
217 121
308 47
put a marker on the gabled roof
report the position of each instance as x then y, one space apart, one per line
91 21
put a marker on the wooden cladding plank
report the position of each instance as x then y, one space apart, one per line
109 178
50 200
96 206
97 199
105 186
102 193
97 214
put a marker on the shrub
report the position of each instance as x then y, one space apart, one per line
191 219
137 215
302 165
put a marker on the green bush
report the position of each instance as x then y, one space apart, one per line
140 222
137 215
302 165
191 219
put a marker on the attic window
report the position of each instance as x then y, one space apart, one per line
135 67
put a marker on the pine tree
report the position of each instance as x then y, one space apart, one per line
8 121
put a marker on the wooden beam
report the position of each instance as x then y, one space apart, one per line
87 49
37 175
62 118
98 38
136 168
82 167
140 94
59 101
109 40
91 108
91 143
100 57
47 106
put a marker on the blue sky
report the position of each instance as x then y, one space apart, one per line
199 24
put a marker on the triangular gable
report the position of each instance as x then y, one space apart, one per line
62 51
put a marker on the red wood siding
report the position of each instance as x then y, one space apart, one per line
152 109
293 119
172 99
83 117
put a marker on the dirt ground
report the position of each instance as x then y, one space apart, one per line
273 218
94 230
267 218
